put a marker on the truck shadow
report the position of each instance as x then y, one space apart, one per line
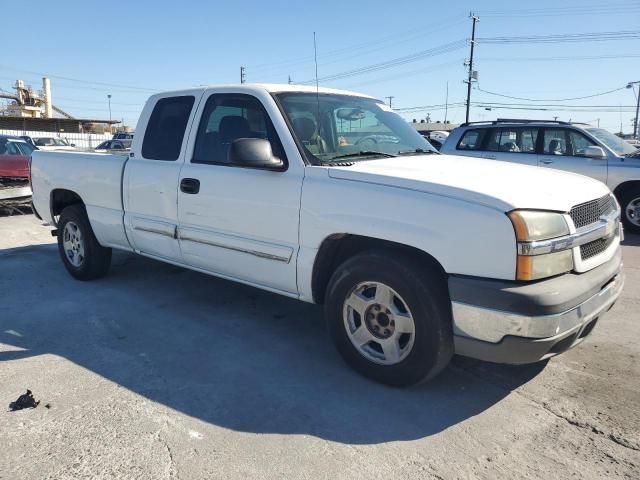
227 354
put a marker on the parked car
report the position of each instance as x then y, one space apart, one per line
14 171
14 159
123 136
574 147
633 143
53 143
415 255
114 146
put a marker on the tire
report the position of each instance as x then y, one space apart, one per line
630 209
82 255
419 302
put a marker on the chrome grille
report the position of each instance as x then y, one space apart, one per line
596 247
590 212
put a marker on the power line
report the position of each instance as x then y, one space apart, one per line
77 80
446 48
361 48
567 37
612 9
552 99
553 59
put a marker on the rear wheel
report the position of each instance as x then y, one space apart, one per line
390 320
82 255
630 209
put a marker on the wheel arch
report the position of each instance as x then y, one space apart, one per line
61 198
337 248
624 186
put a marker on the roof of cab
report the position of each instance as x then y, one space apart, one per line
269 87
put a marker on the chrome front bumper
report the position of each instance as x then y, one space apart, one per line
512 336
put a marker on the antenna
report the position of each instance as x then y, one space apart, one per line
390 97
243 75
315 59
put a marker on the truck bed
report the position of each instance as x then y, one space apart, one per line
95 177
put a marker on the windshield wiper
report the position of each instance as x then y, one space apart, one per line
362 153
416 150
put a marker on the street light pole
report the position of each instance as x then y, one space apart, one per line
109 99
635 122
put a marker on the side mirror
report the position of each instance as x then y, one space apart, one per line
595 152
73 144
254 153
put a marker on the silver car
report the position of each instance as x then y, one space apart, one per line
579 148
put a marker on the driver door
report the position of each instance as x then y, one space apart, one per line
238 222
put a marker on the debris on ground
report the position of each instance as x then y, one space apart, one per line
24 401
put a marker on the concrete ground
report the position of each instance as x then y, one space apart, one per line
158 372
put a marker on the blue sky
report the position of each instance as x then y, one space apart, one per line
142 47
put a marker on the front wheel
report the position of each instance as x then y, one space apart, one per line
82 255
630 207
390 320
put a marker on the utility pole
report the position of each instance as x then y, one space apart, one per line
446 104
635 120
110 126
390 97
243 75
474 18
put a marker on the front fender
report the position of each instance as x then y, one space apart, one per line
465 238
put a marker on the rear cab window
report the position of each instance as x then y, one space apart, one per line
166 128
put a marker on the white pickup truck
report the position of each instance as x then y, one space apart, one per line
330 197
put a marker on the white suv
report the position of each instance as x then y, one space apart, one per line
578 148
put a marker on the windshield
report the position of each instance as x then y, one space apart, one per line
612 141
331 127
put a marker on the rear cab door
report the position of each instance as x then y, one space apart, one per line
150 182
237 222
512 144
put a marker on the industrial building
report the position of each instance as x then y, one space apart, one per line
30 110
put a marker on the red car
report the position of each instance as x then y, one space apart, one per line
14 158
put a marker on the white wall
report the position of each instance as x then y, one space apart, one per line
84 141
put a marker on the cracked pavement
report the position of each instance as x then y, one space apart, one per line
157 372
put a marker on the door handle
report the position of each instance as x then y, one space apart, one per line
490 157
547 162
190 185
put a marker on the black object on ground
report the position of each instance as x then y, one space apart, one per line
24 401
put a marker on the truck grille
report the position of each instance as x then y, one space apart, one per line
596 247
590 212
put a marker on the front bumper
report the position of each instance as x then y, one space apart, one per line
511 322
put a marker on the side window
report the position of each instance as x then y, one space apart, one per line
555 142
166 127
578 143
503 140
472 140
227 117
527 139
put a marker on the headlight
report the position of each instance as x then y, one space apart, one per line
532 226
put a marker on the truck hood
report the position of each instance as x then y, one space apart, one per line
501 185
